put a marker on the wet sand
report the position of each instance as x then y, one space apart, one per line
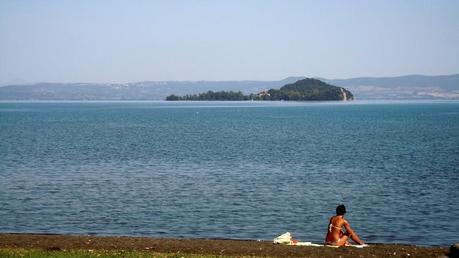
209 246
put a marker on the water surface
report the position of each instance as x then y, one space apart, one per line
250 170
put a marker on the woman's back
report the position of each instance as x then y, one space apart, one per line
334 229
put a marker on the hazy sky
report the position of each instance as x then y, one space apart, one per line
127 41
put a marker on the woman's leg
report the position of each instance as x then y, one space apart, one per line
356 239
342 241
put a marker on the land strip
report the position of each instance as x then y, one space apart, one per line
204 247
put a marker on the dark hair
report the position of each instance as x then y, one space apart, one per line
340 210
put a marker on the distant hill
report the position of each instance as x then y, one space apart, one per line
404 87
311 89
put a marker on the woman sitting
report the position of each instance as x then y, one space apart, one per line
335 235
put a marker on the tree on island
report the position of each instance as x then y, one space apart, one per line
211 95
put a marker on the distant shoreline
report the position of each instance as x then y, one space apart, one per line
399 87
231 248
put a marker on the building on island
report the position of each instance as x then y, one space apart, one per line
264 94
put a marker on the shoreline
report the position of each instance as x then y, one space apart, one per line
214 247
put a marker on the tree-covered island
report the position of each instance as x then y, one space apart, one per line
303 90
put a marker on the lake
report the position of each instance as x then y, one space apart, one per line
239 170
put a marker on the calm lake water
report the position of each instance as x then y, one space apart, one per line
242 170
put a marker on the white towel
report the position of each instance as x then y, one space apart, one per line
287 239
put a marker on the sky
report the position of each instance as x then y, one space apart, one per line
128 41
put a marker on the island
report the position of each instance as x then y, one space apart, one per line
308 89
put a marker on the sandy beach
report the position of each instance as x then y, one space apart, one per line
213 247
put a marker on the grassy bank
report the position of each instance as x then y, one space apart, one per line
38 253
